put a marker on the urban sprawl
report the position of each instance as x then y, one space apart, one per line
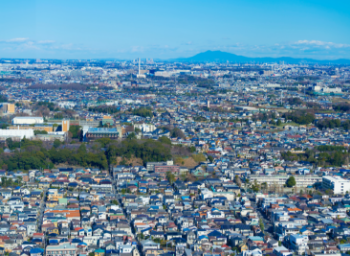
150 158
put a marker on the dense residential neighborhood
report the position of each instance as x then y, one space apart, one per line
103 158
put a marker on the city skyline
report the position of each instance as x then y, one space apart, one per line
161 30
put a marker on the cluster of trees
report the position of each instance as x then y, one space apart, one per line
177 133
295 101
321 156
80 157
333 123
201 82
278 123
16 80
199 157
264 116
51 106
105 109
33 155
205 83
3 98
39 132
300 117
342 107
199 119
75 131
148 151
72 86
143 111
8 182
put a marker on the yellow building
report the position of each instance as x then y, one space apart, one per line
65 125
8 108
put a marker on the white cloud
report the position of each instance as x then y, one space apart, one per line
316 43
15 40
46 42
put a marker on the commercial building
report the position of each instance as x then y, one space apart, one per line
337 184
28 120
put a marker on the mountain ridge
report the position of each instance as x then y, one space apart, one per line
219 56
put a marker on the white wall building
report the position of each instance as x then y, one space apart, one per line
337 184
4 134
145 127
299 243
28 120
280 180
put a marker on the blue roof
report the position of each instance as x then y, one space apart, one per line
103 130
36 250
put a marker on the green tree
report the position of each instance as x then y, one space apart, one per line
177 133
165 140
238 181
56 143
131 136
255 186
39 132
261 224
291 182
75 130
170 177
198 157
104 141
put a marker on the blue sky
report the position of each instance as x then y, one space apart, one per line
169 29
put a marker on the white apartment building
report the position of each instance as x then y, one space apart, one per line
299 243
28 120
338 185
280 180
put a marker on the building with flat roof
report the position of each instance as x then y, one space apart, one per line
38 127
337 184
27 120
280 180
16 134
97 133
8 108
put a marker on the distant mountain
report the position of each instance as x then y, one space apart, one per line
219 56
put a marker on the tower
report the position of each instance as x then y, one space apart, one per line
65 125
139 67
